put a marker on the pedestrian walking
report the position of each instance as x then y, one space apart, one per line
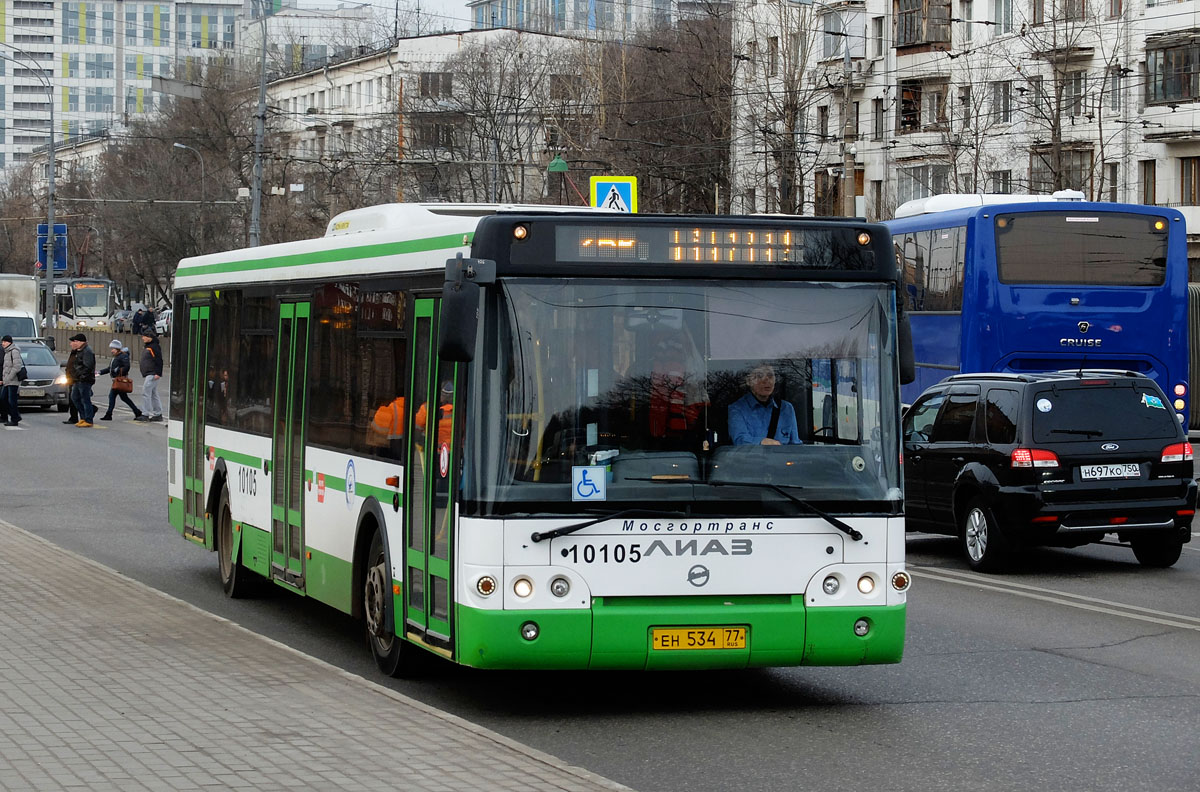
11 378
83 376
68 368
151 366
118 368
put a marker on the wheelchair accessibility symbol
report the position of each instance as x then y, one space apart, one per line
588 483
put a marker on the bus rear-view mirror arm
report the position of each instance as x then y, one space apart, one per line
460 306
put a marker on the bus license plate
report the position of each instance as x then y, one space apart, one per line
1124 471
684 638
31 392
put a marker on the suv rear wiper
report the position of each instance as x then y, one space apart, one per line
1084 432
849 530
539 536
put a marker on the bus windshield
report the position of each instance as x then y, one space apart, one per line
1081 248
657 385
91 299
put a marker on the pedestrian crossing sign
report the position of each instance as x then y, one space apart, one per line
618 193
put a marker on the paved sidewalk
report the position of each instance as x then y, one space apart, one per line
107 684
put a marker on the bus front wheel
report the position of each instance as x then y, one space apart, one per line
392 654
235 578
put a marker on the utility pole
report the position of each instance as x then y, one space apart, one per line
260 121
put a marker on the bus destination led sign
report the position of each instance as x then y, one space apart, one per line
682 244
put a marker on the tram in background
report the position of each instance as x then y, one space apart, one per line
523 459
1044 283
84 303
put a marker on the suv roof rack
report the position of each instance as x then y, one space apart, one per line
1079 372
996 375
1043 376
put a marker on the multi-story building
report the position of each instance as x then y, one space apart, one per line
599 18
94 61
966 95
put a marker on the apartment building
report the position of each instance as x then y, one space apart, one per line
93 62
965 95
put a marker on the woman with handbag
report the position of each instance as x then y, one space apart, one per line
122 385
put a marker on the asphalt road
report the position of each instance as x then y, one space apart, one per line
1080 671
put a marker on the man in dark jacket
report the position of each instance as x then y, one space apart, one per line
118 367
83 377
151 366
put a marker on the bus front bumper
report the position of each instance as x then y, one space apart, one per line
616 633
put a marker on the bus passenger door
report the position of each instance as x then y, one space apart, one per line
287 462
429 512
195 453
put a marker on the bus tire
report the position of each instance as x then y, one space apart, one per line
393 655
1157 550
986 546
236 580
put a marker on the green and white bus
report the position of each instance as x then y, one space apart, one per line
502 434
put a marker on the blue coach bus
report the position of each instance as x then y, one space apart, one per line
1042 283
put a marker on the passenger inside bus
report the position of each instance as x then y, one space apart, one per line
386 429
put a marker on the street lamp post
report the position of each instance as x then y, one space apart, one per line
48 274
201 159
848 131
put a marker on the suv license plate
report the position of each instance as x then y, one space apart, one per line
1125 471
699 638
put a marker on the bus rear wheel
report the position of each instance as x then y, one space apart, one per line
235 578
392 654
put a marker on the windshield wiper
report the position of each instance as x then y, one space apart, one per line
849 530
538 536
1084 432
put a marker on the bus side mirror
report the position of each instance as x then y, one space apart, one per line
904 340
460 306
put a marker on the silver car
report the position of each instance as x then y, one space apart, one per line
46 383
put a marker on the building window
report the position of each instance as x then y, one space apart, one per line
1148 174
877 119
1038 16
1114 90
436 84
921 22
877 37
832 25
1001 181
964 102
1189 182
823 121
1111 172
1074 93
966 13
922 181
1002 101
1074 166
1002 15
1172 72
773 56
1115 7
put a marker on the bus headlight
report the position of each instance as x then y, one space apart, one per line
523 587
866 584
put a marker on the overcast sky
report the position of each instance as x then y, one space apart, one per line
436 14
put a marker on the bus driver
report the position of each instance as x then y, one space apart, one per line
760 417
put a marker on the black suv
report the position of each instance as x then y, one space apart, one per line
1011 460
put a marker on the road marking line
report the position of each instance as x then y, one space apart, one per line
1061 598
